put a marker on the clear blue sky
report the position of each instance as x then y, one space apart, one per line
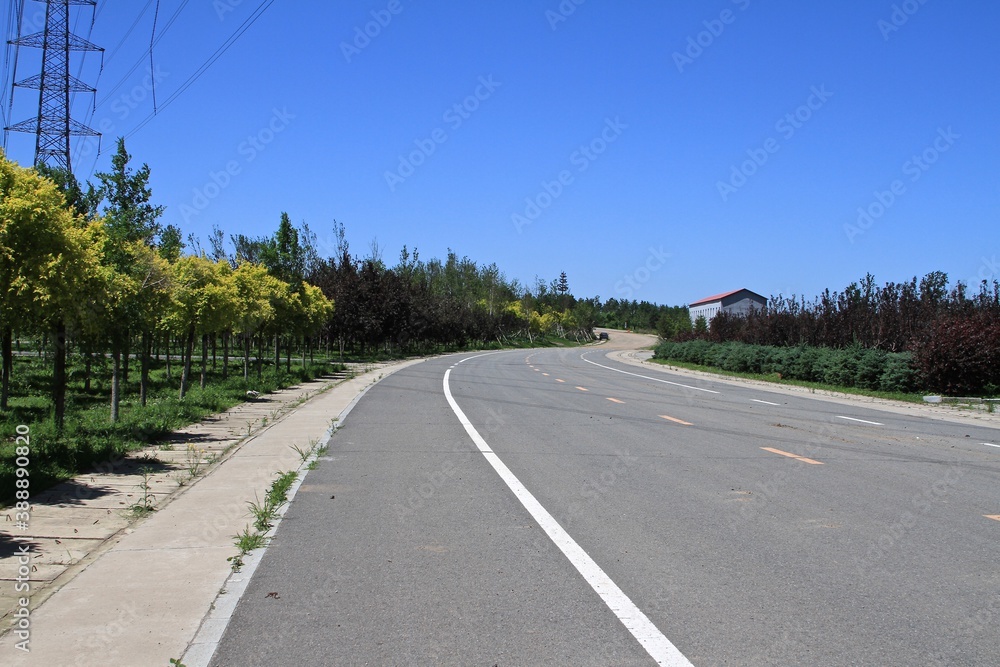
867 91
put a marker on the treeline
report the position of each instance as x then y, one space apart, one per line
668 321
418 307
93 277
95 273
952 334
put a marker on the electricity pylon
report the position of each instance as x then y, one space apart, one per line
53 126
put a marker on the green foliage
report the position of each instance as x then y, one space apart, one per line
88 438
853 367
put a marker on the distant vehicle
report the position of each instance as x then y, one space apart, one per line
602 336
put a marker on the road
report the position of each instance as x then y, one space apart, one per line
612 515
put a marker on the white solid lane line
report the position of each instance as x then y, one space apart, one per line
655 642
863 421
990 444
646 377
757 400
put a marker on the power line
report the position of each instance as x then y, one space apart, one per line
257 13
142 58
152 69
128 32
124 79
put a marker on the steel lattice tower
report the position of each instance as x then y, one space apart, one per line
53 126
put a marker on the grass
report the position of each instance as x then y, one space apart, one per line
89 437
777 379
264 513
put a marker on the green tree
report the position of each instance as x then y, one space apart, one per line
128 214
47 260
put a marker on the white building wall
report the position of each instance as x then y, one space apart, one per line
708 310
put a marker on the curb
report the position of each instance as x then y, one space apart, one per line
213 626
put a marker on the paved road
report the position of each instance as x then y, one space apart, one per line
745 527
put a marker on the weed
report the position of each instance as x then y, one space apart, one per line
176 662
305 452
263 513
236 561
145 507
302 452
195 462
278 493
248 541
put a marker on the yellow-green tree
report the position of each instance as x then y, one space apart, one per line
47 259
196 302
256 291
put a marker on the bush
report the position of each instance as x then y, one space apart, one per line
851 367
898 373
960 356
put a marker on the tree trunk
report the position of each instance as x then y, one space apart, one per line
59 377
6 367
127 355
277 354
87 367
260 357
186 353
204 360
214 341
246 358
116 371
147 342
166 344
225 355
288 358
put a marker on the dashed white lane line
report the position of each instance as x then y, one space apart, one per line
863 421
649 636
989 444
646 377
757 400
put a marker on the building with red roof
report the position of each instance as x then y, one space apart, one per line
738 302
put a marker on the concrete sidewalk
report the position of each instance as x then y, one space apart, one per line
107 589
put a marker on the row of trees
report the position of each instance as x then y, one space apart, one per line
416 306
94 272
95 269
953 335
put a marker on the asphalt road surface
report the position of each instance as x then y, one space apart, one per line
595 513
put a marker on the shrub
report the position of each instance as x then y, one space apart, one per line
960 356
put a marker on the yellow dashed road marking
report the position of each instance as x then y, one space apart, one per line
676 420
792 456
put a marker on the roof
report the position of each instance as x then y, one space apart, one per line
720 297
